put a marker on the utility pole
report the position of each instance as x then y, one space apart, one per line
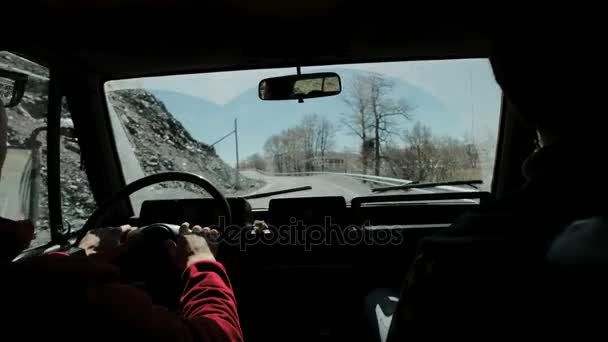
472 105
237 184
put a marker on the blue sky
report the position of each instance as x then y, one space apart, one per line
466 88
448 80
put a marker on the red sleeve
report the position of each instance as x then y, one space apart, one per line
58 253
208 302
207 306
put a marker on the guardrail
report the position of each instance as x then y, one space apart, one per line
368 178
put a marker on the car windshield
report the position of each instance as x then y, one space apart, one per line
392 124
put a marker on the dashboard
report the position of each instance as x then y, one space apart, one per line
201 211
266 271
378 212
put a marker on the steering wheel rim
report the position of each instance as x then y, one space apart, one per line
141 183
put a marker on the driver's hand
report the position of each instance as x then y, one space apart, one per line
103 240
193 245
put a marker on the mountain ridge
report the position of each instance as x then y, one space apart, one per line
208 121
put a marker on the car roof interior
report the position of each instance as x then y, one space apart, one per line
200 44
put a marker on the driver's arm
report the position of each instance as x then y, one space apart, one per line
208 310
207 305
207 301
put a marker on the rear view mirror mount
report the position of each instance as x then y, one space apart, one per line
12 87
299 87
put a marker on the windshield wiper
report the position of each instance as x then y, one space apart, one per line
278 192
416 185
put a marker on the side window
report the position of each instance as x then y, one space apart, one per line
23 177
23 191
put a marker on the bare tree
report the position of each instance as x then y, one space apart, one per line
294 148
426 157
316 137
420 151
272 148
325 133
359 120
486 148
398 163
308 129
254 161
297 148
449 153
376 113
384 109
471 151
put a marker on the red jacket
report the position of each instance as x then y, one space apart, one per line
78 294
208 302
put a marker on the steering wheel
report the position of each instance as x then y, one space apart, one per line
147 266
170 231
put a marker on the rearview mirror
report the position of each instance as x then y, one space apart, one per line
12 87
297 87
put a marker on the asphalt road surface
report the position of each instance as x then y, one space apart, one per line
322 185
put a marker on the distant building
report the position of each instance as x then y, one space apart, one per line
329 164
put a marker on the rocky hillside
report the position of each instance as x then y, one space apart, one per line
161 143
